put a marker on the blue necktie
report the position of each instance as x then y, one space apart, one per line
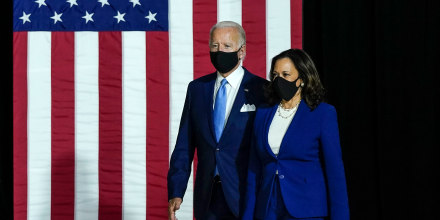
219 113
220 110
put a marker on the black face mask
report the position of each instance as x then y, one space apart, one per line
224 61
285 89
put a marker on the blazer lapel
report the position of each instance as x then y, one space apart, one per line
240 99
209 96
294 125
267 123
292 129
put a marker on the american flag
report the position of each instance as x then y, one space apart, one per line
99 87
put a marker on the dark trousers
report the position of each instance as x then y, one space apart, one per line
218 208
277 210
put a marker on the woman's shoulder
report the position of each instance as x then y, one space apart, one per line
264 109
324 109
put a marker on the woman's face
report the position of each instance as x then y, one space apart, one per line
284 68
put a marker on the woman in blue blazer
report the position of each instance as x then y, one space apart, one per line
295 165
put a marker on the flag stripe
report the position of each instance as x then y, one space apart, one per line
229 10
63 125
254 24
96 114
20 98
86 125
110 126
39 122
277 29
181 54
296 23
204 16
157 123
134 125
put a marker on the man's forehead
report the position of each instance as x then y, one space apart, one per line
229 32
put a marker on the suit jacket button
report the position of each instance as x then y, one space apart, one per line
281 177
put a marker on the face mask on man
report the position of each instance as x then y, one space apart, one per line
285 89
224 61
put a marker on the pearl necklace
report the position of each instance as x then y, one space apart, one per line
289 111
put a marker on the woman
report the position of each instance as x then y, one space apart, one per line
295 165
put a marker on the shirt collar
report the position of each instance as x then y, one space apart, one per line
234 79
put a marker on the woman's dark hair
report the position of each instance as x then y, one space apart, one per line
312 92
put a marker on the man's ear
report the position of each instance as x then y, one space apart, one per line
242 52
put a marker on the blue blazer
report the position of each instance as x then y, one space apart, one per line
231 153
309 165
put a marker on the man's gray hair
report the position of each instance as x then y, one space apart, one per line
238 27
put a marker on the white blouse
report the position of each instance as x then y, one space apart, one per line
278 127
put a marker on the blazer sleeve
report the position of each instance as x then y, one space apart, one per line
253 180
183 154
333 166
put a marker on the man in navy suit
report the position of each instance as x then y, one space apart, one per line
217 119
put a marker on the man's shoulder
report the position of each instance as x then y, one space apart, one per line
206 78
200 81
253 78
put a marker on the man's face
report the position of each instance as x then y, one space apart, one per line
224 39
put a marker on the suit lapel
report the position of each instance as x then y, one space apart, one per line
292 129
295 124
209 96
240 99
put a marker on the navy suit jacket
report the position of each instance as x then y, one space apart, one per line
231 153
309 165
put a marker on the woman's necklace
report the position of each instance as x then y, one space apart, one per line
287 113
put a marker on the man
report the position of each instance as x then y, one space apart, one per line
217 119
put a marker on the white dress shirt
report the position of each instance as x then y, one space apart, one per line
278 128
234 80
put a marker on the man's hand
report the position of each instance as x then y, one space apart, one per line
173 206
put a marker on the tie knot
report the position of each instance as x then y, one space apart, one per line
223 82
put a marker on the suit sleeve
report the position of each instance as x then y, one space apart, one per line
334 168
253 180
183 154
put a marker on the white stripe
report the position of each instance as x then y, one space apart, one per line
229 10
181 73
86 125
277 29
39 125
134 195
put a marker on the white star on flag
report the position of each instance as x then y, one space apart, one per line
151 17
120 17
88 17
41 2
72 2
135 2
57 17
103 2
25 17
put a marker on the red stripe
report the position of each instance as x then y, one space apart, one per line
254 23
110 126
20 124
157 58
204 17
63 126
296 23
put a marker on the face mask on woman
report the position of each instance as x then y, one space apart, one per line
285 89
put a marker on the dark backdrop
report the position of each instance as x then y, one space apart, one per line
379 63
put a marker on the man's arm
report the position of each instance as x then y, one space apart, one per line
181 159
